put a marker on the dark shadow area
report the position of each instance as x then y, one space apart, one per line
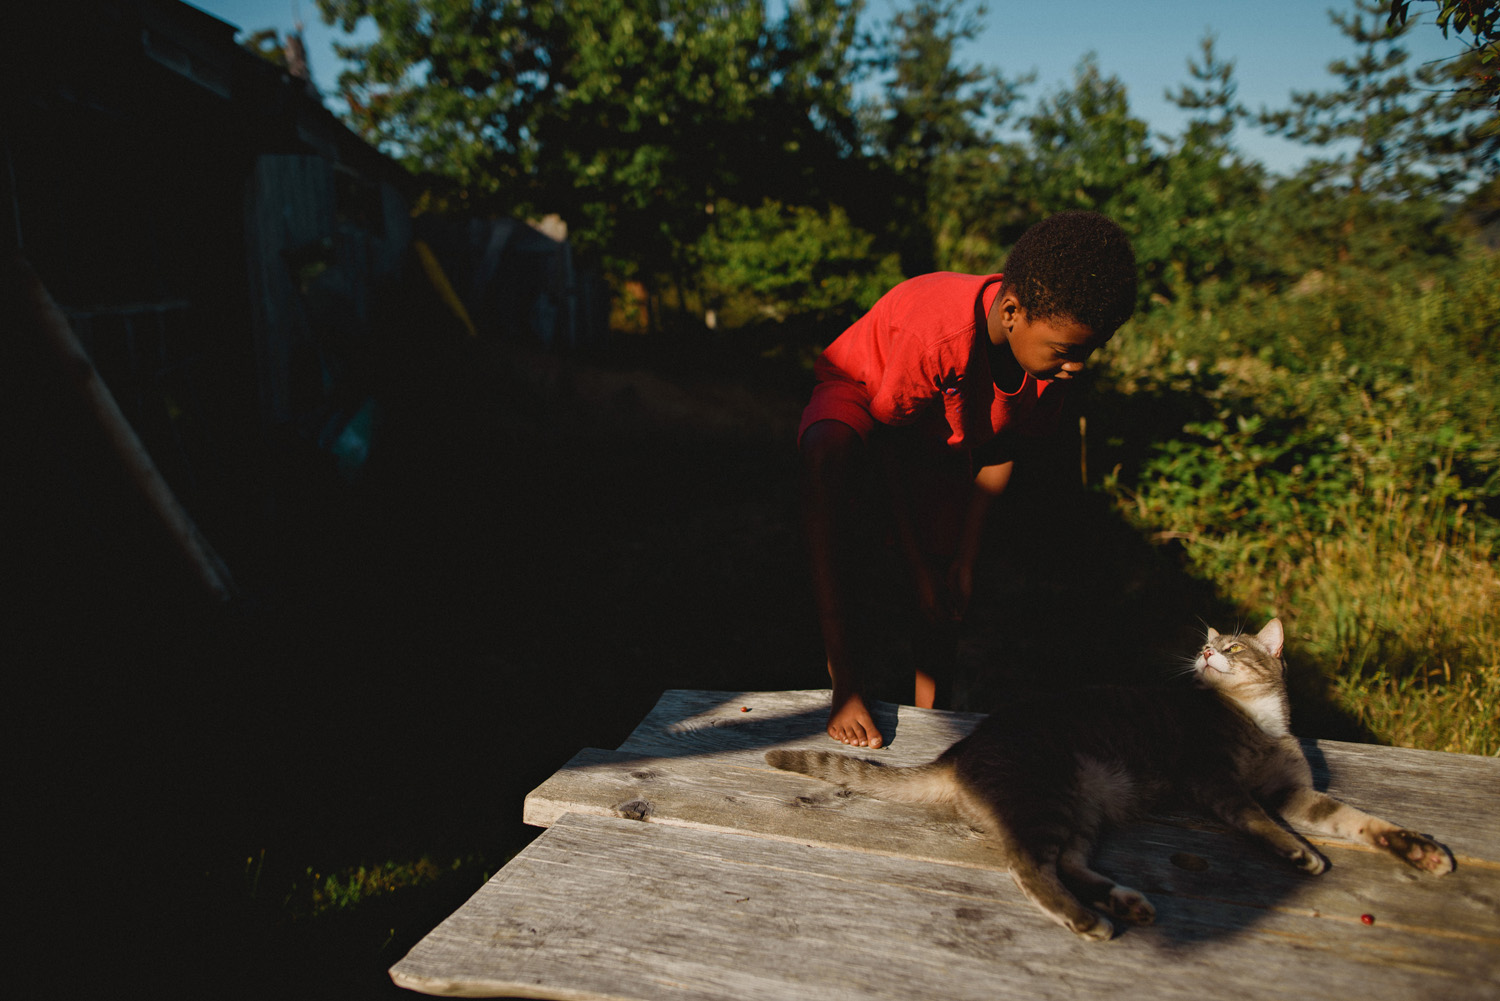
536 548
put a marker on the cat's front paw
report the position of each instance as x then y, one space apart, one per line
1417 850
1130 905
1309 861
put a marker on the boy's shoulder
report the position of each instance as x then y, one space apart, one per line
941 300
942 283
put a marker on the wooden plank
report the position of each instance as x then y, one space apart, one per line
1454 797
697 760
686 723
1204 881
747 796
603 908
741 794
738 797
755 883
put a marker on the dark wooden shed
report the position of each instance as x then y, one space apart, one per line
212 235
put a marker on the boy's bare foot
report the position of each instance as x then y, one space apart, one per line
851 723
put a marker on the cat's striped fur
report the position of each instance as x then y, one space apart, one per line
1044 775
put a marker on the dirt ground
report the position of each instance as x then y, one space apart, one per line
538 547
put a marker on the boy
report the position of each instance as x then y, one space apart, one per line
914 423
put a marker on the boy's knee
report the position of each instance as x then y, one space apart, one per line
829 444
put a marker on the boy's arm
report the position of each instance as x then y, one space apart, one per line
929 597
989 483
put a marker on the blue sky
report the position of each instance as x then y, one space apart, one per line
1277 46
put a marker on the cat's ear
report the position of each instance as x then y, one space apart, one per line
1213 634
1271 637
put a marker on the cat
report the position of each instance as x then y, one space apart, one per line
1044 775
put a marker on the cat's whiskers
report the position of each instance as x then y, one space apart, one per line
1187 666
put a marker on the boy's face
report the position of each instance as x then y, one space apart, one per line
1054 348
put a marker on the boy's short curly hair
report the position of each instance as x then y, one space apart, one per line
1074 264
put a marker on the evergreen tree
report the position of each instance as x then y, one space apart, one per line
1392 130
1211 197
1212 97
934 111
1399 141
1089 151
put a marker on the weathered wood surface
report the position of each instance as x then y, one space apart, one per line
753 883
698 760
607 908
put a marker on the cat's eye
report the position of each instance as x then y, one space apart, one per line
1234 648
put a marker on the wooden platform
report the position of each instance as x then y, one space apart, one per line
747 883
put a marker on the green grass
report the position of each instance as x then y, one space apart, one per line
312 893
1331 458
354 885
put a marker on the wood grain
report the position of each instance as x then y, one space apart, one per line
746 882
606 908
697 759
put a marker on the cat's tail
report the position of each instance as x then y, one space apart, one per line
929 783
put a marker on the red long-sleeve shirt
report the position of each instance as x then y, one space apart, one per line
920 357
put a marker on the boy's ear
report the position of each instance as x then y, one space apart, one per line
1006 306
1002 315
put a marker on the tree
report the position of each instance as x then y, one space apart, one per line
1401 141
1212 97
1084 150
1399 133
1480 67
934 111
266 44
1089 151
1211 197
626 117
776 262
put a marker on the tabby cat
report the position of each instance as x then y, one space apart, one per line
1042 777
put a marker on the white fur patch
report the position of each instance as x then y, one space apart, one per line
1217 662
1269 713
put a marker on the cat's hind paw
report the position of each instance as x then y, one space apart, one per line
1309 861
1130 905
1096 930
1417 850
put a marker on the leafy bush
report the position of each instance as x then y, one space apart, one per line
1336 460
777 261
